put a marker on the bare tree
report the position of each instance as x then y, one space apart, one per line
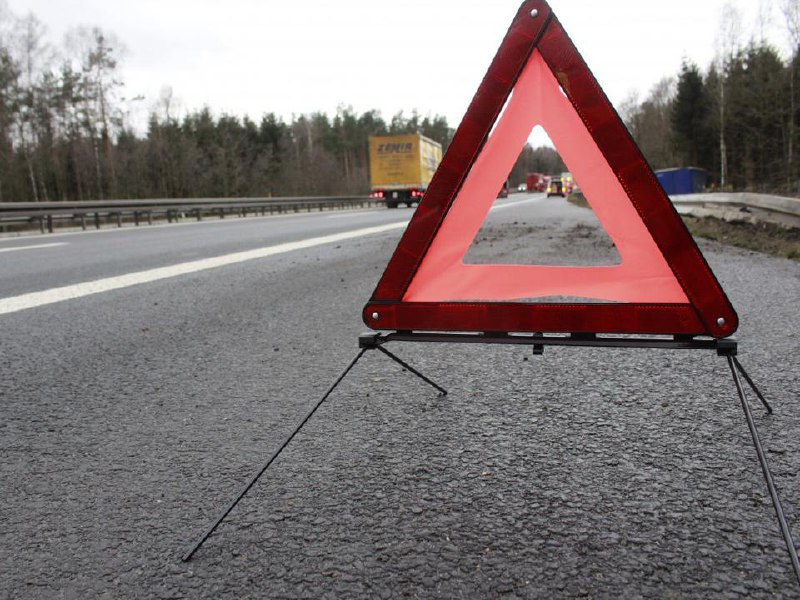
728 42
98 54
791 14
629 110
6 22
764 20
32 54
166 105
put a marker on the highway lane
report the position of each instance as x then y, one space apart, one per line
30 265
106 253
127 419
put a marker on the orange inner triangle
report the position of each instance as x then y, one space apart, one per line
643 275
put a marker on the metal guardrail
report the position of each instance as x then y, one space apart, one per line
728 206
49 214
745 206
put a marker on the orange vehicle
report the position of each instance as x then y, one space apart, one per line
557 187
401 167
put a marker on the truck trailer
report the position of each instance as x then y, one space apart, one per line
401 167
535 182
687 180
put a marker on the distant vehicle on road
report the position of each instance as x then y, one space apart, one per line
503 191
522 187
688 180
535 182
401 167
569 183
556 187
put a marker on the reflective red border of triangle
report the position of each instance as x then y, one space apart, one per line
708 313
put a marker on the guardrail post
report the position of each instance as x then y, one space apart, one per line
83 221
136 218
97 220
50 223
119 219
41 224
149 217
199 215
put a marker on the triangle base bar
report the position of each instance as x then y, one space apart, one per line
726 347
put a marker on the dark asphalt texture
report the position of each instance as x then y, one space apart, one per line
128 419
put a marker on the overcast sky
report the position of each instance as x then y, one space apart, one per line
292 57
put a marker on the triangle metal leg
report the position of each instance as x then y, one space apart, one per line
762 458
201 540
751 384
411 369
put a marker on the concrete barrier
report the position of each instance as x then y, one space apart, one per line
747 207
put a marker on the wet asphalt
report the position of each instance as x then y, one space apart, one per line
128 419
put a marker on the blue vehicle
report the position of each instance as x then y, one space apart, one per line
688 180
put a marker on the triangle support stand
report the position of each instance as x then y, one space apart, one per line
727 348
736 368
254 479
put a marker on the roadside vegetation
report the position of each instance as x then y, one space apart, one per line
66 129
761 237
768 238
738 117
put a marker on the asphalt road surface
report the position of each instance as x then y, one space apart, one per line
146 373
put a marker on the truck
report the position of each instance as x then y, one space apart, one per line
401 167
561 185
535 182
686 180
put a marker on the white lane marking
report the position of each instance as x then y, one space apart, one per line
513 204
32 247
354 213
70 292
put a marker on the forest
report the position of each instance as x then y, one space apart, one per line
738 118
66 131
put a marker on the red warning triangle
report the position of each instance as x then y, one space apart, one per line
663 285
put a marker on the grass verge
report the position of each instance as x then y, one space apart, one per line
761 237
